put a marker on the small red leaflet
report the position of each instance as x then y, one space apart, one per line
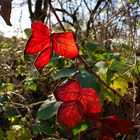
78 103
42 42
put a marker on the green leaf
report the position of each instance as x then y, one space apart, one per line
27 32
91 46
20 60
120 84
19 132
41 128
101 66
117 56
88 81
99 57
48 110
2 99
132 1
109 75
57 61
65 72
108 95
2 87
30 85
1 134
10 87
119 67
139 24
80 128
136 69
10 112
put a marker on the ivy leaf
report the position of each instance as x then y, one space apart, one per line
64 72
42 42
47 111
5 10
70 114
71 91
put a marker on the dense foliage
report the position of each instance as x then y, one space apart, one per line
95 96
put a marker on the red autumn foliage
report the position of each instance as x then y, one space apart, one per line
42 42
83 104
70 92
111 125
78 103
70 113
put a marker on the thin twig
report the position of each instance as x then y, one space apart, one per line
89 69
49 2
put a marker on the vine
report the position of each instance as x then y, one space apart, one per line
79 104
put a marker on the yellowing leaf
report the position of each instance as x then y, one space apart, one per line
120 85
18 132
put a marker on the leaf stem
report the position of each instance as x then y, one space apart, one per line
88 68
49 2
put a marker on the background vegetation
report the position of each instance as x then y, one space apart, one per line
107 33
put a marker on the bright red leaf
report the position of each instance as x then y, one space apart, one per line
111 125
70 114
71 90
43 58
64 44
41 39
90 101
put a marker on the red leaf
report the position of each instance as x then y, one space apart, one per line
43 59
70 114
72 90
90 101
64 44
112 124
69 90
41 38
107 138
5 10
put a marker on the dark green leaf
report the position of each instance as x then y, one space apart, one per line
88 81
41 128
119 67
91 47
65 72
109 75
10 112
48 110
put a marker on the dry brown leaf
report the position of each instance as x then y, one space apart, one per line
5 10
